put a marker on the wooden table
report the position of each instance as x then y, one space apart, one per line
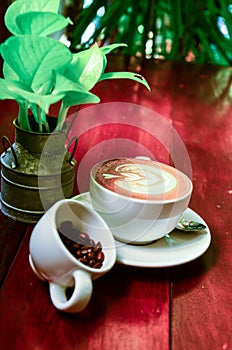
186 307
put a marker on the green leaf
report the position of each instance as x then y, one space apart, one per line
9 73
108 49
18 91
40 23
125 75
4 93
23 6
86 67
74 94
33 60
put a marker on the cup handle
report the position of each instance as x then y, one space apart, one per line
82 293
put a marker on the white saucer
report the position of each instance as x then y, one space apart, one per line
175 249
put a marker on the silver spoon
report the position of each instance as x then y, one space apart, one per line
190 225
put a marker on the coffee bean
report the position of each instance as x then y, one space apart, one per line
84 251
91 255
99 245
97 249
78 253
98 265
75 245
100 256
92 263
84 248
91 242
84 238
84 260
87 248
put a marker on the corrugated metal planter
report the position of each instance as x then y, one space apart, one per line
36 171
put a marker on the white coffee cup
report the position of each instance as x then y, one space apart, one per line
141 200
53 262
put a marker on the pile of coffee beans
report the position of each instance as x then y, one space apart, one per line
83 248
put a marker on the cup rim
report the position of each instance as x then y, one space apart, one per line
140 200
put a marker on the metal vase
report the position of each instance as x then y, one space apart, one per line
36 171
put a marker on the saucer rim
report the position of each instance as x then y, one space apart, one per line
185 257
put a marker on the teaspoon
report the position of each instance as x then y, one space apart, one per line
190 225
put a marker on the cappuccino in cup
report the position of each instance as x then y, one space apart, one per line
142 179
141 200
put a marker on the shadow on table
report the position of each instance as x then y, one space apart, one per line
118 286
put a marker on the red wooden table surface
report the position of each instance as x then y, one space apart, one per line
182 307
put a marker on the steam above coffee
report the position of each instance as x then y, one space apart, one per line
142 179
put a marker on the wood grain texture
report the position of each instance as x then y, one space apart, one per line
201 304
183 307
117 316
11 234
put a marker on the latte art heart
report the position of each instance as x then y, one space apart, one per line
142 179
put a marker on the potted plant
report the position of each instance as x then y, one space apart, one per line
40 71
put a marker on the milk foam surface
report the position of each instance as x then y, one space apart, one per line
142 179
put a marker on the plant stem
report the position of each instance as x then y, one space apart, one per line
61 117
39 119
46 125
23 121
